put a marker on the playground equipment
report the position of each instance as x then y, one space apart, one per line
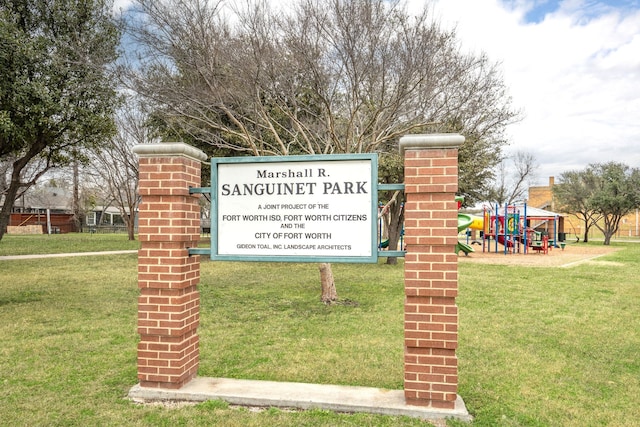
514 228
463 223
466 221
511 229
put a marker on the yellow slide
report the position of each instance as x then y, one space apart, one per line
470 221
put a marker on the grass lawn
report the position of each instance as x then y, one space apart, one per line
538 346
14 244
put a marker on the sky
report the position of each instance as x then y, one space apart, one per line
572 67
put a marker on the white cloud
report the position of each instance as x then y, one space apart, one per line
575 74
119 5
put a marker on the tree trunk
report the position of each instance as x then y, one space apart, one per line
610 228
585 239
5 215
394 226
329 293
11 195
131 228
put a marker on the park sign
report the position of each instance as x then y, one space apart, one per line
295 208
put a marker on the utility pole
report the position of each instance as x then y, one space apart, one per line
76 198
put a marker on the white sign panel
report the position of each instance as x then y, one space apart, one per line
301 209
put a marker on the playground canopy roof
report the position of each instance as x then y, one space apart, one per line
532 213
536 213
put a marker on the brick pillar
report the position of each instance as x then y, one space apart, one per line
169 302
431 269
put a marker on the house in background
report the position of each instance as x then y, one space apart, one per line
48 209
45 210
105 216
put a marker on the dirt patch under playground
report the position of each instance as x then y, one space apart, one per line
571 255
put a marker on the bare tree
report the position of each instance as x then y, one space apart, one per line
116 166
309 81
513 177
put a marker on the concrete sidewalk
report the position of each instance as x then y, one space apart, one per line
267 394
74 254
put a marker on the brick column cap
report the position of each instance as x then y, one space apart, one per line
169 149
430 141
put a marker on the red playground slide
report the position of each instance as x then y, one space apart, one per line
501 241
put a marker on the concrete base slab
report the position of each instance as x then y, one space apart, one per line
299 395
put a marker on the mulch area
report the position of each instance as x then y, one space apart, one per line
572 254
